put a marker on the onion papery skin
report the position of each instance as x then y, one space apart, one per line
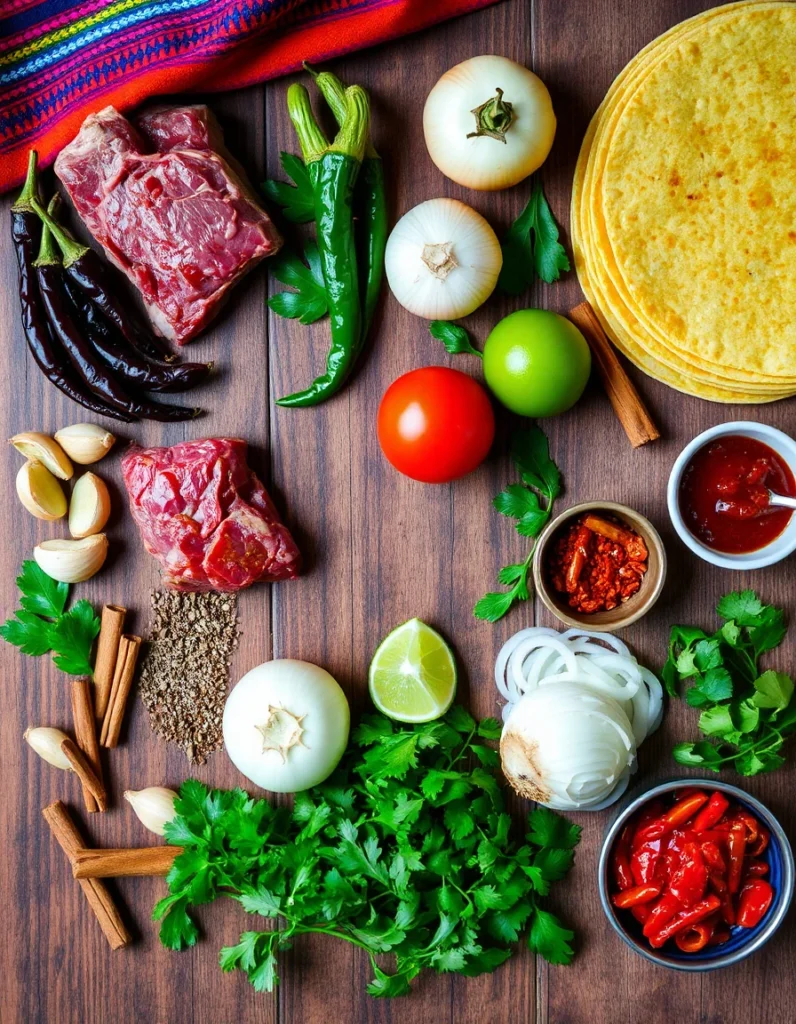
485 163
475 248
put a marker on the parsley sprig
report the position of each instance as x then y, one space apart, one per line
406 850
541 479
454 337
42 624
297 200
531 247
308 302
745 713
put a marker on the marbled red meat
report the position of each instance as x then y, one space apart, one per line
170 208
206 517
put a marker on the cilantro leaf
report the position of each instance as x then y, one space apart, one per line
744 607
41 594
550 939
490 729
550 829
41 625
773 690
178 931
298 203
308 302
455 338
530 452
716 721
28 632
531 246
72 636
702 754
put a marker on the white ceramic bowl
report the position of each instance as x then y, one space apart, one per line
780 547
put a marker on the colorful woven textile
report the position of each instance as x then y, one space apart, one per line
62 59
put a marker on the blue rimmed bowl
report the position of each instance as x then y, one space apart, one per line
743 941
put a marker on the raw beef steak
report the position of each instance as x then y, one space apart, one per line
206 517
170 210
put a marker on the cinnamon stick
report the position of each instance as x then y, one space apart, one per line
626 401
111 630
86 733
99 899
120 690
83 769
152 861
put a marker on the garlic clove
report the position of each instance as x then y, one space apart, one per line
153 806
44 449
40 492
47 744
72 561
89 507
85 443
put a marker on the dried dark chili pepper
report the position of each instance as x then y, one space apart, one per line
88 271
25 229
60 315
131 367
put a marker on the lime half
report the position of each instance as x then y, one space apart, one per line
413 675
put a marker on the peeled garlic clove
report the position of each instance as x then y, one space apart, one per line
89 507
85 443
47 744
72 561
40 492
42 448
154 807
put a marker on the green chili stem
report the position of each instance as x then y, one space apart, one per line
70 249
48 254
353 135
30 189
333 91
311 139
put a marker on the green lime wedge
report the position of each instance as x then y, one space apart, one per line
412 676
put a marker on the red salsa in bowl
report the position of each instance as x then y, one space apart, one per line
723 496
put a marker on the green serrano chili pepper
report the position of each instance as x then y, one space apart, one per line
333 171
370 204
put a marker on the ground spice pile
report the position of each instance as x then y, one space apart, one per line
185 673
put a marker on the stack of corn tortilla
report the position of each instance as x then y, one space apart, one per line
684 205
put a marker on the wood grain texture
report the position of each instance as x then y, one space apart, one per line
379 549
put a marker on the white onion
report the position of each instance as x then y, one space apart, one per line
470 152
286 725
540 661
442 260
567 747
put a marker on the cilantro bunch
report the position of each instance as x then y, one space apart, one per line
406 850
540 479
746 713
42 625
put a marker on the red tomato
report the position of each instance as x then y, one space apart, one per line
435 424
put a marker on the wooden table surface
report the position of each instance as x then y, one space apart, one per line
379 549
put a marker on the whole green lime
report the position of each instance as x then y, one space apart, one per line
536 362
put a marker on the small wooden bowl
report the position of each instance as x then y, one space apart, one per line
632 609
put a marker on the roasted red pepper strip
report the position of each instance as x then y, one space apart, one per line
759 844
684 920
713 857
620 860
736 846
678 815
711 813
720 935
752 826
640 894
641 912
694 938
713 835
663 911
755 868
753 902
689 879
